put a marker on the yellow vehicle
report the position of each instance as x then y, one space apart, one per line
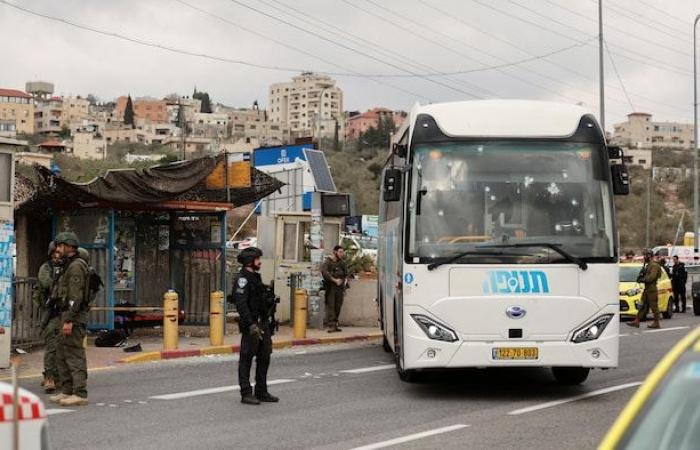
631 292
663 413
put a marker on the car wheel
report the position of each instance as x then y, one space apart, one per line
669 309
570 376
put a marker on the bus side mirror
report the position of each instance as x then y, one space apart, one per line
400 150
620 179
615 152
392 185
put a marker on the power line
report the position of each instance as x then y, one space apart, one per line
563 67
666 13
619 78
340 44
665 66
651 23
565 25
437 43
373 46
614 28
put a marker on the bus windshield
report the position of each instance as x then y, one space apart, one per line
465 195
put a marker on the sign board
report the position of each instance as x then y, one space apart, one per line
7 253
272 156
238 175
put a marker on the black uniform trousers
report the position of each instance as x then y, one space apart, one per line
679 296
260 349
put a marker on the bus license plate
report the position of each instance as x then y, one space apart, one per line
515 353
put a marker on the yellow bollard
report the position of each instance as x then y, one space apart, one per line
216 318
300 313
170 318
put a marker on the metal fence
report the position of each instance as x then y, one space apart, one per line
26 331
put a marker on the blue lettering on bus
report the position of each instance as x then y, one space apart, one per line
516 282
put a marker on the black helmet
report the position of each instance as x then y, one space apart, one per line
248 255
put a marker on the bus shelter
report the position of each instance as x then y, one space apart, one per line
148 231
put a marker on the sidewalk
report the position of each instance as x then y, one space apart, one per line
100 358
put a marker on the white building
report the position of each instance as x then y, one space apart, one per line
309 105
89 145
641 132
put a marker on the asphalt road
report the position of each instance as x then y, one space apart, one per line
344 397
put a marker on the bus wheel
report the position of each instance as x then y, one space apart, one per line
669 309
570 376
385 345
408 376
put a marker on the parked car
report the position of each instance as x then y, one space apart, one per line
631 292
663 413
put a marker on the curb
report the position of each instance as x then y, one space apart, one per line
229 349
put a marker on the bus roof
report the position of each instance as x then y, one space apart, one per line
504 118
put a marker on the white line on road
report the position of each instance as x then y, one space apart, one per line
665 329
606 390
216 390
412 437
369 369
51 412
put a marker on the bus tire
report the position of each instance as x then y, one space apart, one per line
570 376
669 309
406 375
385 345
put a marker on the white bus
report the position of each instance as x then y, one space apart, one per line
497 240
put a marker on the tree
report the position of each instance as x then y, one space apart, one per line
65 132
129 112
204 98
377 136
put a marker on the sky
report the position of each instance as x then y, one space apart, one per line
389 53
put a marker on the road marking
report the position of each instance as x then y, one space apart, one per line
412 437
216 390
666 329
551 404
369 369
54 411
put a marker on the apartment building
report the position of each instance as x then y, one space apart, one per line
310 105
48 116
359 123
147 109
640 131
17 106
254 124
89 145
75 110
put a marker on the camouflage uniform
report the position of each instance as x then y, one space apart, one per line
650 296
49 315
70 291
334 268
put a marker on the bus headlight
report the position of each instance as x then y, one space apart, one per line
433 329
592 330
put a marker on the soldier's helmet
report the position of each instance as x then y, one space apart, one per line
248 255
647 252
67 238
52 248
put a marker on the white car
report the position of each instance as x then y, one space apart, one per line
367 245
33 425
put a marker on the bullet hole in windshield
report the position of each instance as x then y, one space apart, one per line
574 202
528 181
487 189
553 189
441 213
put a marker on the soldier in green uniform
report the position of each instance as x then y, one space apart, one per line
649 275
50 316
335 275
71 294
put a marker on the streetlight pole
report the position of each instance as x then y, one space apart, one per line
695 130
600 65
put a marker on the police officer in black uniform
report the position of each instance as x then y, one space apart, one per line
256 326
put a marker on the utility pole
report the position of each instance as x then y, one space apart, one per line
651 175
600 65
695 128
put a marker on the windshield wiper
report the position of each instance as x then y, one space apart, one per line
451 259
556 247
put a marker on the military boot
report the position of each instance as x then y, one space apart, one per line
634 323
249 399
58 397
655 324
267 397
73 400
49 386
